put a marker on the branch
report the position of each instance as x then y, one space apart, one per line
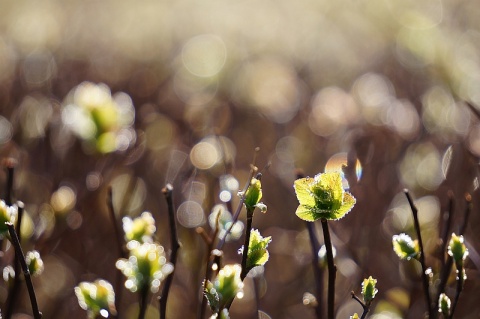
18 251
246 245
365 307
175 245
422 255
332 270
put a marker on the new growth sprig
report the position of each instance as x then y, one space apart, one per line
323 197
369 291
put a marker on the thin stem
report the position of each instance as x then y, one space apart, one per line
10 167
175 245
248 231
18 251
332 270
459 289
143 295
12 294
120 251
447 224
422 255
366 308
317 272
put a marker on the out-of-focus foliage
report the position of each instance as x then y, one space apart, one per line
379 86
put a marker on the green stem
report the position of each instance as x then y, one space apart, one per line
332 270
18 252
168 192
426 288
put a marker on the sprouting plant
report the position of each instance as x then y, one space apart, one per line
140 229
97 298
405 247
146 266
224 288
323 197
459 252
98 118
257 250
8 214
369 291
34 262
444 305
252 201
145 269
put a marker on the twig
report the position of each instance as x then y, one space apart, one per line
317 272
248 231
459 289
449 263
422 255
18 251
175 245
447 224
10 167
366 308
120 250
12 294
143 295
332 270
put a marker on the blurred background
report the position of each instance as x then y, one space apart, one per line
192 88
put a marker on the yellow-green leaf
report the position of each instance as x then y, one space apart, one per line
303 191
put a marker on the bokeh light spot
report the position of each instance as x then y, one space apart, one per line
204 55
190 214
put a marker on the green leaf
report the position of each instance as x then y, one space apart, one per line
322 197
405 247
253 194
444 305
457 249
303 191
257 250
212 296
368 289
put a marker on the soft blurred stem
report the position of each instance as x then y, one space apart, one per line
253 171
446 225
175 245
449 263
317 272
18 252
12 294
366 307
426 285
143 297
121 253
460 281
246 245
10 167
332 270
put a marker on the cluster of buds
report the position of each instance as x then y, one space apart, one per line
98 118
226 286
97 298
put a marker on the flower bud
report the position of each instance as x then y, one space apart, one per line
405 247
34 263
368 289
96 298
457 249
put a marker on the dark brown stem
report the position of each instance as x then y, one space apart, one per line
332 271
459 289
366 308
10 167
426 285
18 251
447 224
449 262
143 295
248 231
120 251
175 245
12 294
317 272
